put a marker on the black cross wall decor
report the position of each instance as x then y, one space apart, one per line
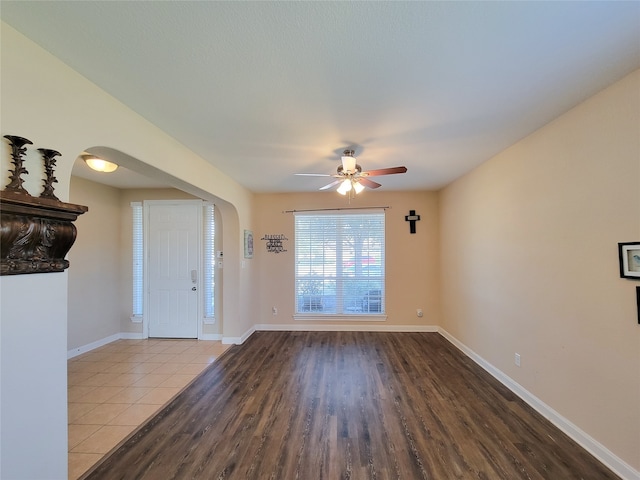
412 218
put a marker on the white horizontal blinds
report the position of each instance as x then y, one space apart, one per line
138 259
208 286
315 262
340 262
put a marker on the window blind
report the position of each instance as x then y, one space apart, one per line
339 262
138 260
208 286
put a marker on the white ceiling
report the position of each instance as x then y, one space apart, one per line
264 90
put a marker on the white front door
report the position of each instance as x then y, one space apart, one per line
174 268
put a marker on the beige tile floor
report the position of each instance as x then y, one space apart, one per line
115 388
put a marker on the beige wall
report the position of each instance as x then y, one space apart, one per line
411 259
94 296
530 265
100 284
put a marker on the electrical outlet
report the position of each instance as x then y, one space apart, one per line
517 359
419 312
274 310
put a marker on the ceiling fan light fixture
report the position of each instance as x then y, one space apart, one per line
348 162
344 187
100 165
349 176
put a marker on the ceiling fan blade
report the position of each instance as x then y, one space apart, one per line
384 171
369 183
313 174
332 184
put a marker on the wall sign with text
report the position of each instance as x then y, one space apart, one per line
275 243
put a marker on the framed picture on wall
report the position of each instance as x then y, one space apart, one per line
248 244
629 254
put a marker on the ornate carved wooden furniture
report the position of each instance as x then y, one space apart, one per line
36 233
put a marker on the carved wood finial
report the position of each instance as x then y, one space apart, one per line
18 150
49 162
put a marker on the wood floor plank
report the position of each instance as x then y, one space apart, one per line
347 405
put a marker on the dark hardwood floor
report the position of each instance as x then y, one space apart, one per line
347 405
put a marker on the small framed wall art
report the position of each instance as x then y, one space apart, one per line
248 244
629 254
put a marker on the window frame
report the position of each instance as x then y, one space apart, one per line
353 300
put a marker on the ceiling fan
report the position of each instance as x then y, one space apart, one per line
351 178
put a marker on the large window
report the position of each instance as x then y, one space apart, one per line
339 262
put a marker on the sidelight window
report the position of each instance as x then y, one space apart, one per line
209 228
138 265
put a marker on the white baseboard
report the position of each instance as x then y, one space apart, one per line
602 453
74 352
238 340
210 336
131 336
310 327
